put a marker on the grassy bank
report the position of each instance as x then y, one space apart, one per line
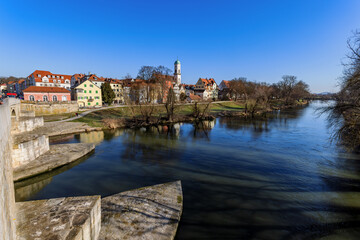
95 119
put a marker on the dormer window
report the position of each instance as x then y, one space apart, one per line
39 75
57 76
48 76
53 76
62 77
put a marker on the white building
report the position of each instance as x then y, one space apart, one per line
41 78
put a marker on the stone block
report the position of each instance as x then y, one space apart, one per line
146 213
59 218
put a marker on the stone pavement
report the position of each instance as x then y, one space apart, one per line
146 213
59 218
57 156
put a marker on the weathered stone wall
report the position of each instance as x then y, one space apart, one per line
48 108
7 199
25 152
26 124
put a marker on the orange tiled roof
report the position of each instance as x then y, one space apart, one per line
92 78
227 83
194 97
46 89
208 81
51 76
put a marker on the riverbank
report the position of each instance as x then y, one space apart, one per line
131 116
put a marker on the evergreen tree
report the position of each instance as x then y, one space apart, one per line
107 93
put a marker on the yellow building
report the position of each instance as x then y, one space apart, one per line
87 94
117 87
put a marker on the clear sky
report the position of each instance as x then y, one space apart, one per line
260 40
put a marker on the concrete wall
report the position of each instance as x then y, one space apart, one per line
7 199
47 108
26 124
25 152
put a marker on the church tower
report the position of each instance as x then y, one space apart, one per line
177 72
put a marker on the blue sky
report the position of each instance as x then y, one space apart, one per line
260 40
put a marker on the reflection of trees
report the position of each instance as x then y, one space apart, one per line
273 120
154 143
201 129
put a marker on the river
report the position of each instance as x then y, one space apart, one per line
276 179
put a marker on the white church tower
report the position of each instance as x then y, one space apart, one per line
177 72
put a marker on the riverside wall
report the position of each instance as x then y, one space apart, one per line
7 196
49 108
28 151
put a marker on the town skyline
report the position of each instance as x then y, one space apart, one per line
261 42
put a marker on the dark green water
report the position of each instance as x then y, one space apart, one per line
274 179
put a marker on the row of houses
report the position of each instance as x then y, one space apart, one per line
86 88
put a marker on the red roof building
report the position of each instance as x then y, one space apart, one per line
46 94
42 78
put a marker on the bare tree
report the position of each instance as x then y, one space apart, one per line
170 104
344 116
146 72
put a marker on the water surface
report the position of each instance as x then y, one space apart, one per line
274 179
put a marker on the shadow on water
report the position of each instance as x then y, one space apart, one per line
27 188
274 178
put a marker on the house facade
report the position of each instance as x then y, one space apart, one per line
42 78
87 94
117 86
46 94
206 88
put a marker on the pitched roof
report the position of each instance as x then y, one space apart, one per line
39 74
194 97
46 89
80 86
93 78
226 83
209 81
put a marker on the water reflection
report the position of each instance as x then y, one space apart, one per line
278 178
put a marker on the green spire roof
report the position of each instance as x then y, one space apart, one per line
177 62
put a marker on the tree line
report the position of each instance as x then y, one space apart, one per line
344 115
260 96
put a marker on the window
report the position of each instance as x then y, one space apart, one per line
89 91
31 98
62 77
96 91
57 76
95 78
45 98
67 81
54 98
84 91
39 75
97 103
91 85
88 103
53 76
84 85
54 81
86 97
48 76
59 81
